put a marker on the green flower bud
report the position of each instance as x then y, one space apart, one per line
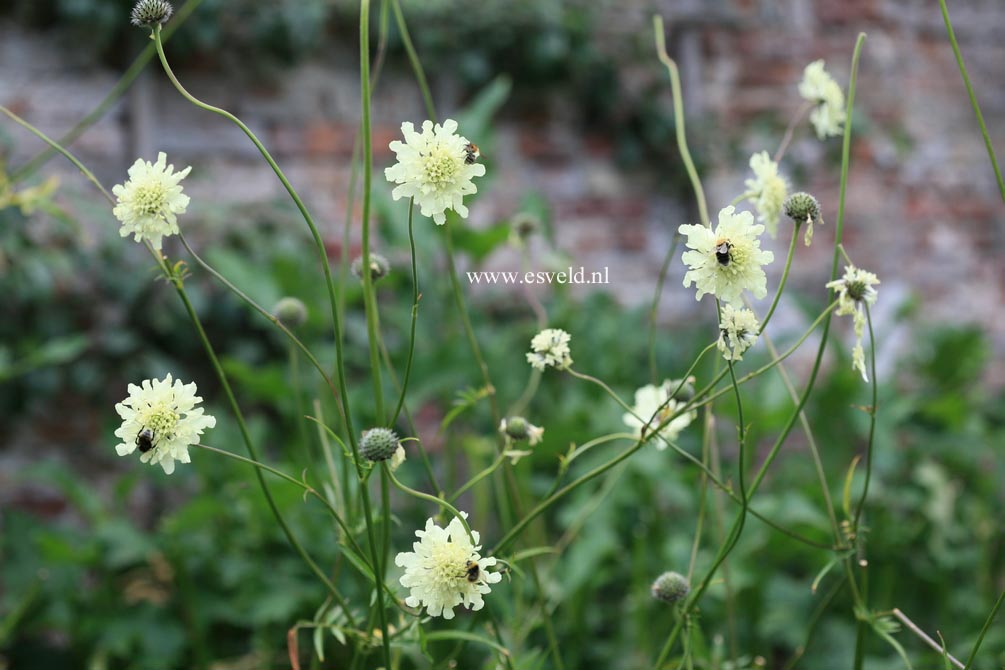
379 267
515 427
671 587
151 12
802 207
291 311
379 444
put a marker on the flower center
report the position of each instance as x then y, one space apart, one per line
857 290
449 561
162 420
150 199
440 167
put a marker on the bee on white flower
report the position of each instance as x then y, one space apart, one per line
738 329
160 418
769 190
726 261
150 200
445 570
550 347
819 87
655 404
435 167
855 290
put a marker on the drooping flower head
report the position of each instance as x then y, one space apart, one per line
855 290
550 347
738 329
819 87
149 202
517 428
769 190
445 570
435 167
727 260
655 404
160 418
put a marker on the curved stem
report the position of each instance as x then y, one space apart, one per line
654 309
413 58
57 147
783 280
369 295
415 316
793 122
275 321
433 499
973 98
121 86
480 476
678 112
984 630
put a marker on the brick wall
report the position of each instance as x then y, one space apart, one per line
923 208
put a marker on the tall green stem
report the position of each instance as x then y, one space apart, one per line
973 98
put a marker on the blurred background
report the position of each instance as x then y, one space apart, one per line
107 564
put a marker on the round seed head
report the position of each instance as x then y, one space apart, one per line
802 207
379 444
671 587
151 12
291 311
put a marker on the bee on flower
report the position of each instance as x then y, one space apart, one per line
160 418
728 260
435 167
445 570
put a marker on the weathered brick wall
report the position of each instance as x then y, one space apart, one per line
923 207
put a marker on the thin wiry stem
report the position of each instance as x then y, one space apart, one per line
973 98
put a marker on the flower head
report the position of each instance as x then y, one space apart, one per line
444 570
855 289
819 87
379 444
727 260
379 267
656 404
517 428
738 329
769 189
149 202
671 587
550 347
160 418
291 311
150 12
435 167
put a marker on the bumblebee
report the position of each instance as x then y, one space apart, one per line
722 248
472 572
471 153
145 440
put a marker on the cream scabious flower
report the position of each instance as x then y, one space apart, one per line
769 190
435 167
727 260
855 290
550 347
738 329
654 405
819 87
445 570
151 199
161 419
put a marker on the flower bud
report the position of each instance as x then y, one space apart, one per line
151 12
671 587
291 311
379 267
379 444
802 207
515 427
